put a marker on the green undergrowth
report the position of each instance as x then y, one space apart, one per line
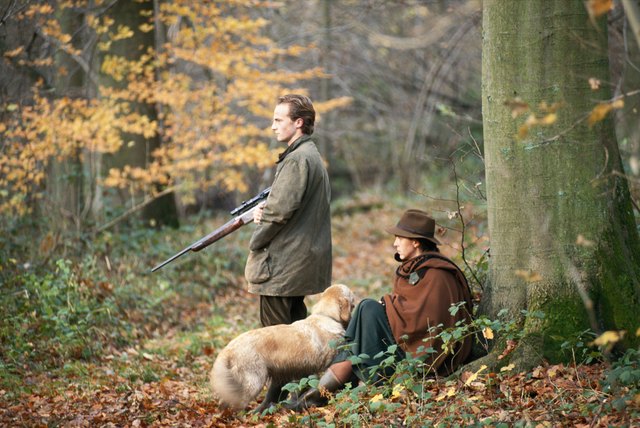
71 311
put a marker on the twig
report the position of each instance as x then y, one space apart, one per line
9 12
133 210
459 211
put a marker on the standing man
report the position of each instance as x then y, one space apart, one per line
290 250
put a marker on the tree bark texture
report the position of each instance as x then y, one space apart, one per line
563 235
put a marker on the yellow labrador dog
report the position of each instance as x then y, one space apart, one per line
281 353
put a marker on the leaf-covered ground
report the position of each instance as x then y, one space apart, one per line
163 381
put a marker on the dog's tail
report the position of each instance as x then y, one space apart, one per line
233 386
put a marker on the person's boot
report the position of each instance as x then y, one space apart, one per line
330 382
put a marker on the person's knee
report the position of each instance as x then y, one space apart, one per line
371 310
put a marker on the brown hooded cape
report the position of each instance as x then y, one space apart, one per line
418 312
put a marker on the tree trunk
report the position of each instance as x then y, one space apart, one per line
137 150
563 235
65 183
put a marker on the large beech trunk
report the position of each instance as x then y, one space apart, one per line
563 235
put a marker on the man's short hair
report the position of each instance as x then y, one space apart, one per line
300 107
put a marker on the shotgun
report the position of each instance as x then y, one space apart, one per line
243 215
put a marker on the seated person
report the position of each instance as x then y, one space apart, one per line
426 285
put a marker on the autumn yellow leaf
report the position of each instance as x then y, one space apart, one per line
600 111
450 392
376 398
397 390
533 120
14 53
597 8
549 108
474 376
553 371
508 368
487 332
547 120
608 338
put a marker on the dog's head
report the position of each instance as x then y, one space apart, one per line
336 302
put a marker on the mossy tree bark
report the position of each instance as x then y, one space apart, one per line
563 235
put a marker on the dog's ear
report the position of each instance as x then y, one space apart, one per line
346 306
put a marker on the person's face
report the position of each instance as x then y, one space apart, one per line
406 248
286 130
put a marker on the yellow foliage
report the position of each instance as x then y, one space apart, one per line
123 32
597 8
15 52
475 375
145 28
376 398
533 120
487 332
211 135
34 10
397 390
609 338
449 392
507 368
600 111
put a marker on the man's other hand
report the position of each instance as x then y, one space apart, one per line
257 213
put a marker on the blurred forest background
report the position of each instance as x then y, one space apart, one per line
129 129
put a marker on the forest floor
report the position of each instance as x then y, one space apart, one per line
162 382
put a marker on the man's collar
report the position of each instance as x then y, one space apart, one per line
304 138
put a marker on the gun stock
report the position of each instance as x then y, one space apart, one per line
227 228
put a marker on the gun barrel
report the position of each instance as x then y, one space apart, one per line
227 228
170 259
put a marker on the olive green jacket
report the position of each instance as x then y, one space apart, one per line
290 250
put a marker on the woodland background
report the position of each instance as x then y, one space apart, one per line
129 129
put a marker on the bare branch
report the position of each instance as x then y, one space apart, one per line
133 210
462 223
10 11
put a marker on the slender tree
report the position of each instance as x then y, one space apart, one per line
136 17
563 236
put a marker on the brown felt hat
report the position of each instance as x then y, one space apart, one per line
415 224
